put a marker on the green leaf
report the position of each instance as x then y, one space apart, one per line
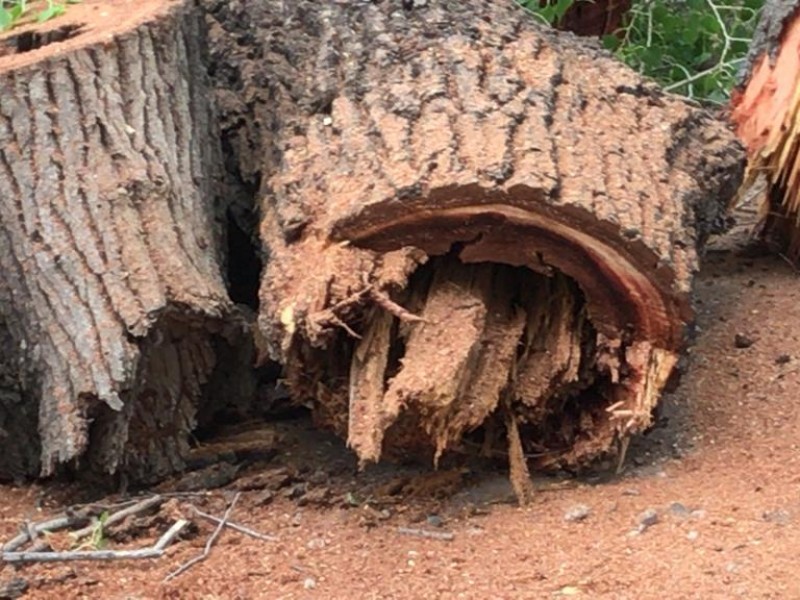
6 19
51 12
17 10
562 6
611 42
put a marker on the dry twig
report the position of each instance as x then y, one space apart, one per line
118 516
393 307
235 526
32 531
201 557
446 536
156 551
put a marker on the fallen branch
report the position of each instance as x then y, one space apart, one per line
235 526
33 530
446 536
155 551
121 515
206 551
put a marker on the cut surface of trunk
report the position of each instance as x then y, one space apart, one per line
470 220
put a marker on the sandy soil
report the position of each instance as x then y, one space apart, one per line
721 471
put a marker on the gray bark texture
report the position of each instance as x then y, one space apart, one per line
775 16
112 299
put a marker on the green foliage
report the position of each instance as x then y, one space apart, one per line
97 539
15 12
691 47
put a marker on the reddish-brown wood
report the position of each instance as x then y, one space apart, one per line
765 110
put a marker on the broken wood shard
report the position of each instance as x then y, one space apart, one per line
766 111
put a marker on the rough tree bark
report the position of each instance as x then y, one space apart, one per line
470 221
473 225
765 109
112 301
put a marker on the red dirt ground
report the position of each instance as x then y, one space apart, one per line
722 470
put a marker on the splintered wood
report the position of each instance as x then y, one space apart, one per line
490 340
766 111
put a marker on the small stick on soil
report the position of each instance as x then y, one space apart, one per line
165 539
446 536
32 530
13 588
623 451
235 526
207 550
392 307
155 551
139 507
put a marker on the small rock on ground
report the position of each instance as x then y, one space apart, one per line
647 519
678 509
579 512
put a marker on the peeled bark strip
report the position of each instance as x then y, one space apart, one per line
405 148
766 110
111 294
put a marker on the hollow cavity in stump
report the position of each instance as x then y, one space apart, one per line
481 345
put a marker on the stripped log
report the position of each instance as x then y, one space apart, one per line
534 203
766 110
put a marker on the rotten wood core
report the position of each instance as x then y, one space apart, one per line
480 347
473 223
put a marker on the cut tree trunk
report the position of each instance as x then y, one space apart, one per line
113 306
766 110
473 226
471 221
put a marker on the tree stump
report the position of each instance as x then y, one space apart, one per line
473 223
765 108
113 299
474 227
